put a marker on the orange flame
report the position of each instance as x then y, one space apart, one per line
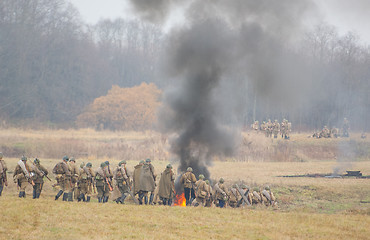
180 200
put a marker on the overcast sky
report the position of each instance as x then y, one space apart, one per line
346 15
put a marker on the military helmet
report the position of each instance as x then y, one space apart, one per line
201 176
148 160
245 186
1 155
65 158
189 169
256 189
121 162
106 163
233 186
169 166
82 165
141 162
72 159
207 181
267 187
88 164
23 158
36 161
103 164
221 180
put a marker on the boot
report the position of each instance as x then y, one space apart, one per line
70 197
79 198
88 199
169 202
99 199
146 200
151 199
105 199
38 195
20 194
58 194
65 196
123 198
83 197
34 194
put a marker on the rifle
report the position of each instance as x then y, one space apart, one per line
44 175
93 184
109 184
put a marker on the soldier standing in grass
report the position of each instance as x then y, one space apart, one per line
74 178
147 182
136 179
220 193
63 176
83 174
234 196
90 181
39 172
3 177
102 183
202 191
268 197
122 180
209 198
22 176
166 191
188 180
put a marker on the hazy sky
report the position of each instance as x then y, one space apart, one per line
346 15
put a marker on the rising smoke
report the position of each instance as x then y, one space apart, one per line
220 38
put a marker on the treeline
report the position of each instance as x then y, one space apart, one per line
53 66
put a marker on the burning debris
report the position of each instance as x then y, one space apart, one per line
349 174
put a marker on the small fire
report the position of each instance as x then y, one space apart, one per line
180 200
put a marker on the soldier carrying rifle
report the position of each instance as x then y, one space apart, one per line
39 172
22 176
3 177
63 176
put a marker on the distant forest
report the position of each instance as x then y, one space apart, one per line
53 65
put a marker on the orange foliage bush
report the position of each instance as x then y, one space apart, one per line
123 109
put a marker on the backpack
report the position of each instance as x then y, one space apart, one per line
58 169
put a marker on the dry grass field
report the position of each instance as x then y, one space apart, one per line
308 208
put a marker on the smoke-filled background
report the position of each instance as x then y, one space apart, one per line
221 38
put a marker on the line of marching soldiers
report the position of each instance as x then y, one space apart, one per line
200 193
79 183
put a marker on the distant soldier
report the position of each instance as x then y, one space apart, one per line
202 193
3 177
269 127
334 132
22 176
122 180
234 196
289 130
136 179
255 126
209 199
84 178
325 132
147 182
263 127
102 183
166 191
188 180
276 128
345 128
74 178
268 197
220 193
39 172
63 177
256 196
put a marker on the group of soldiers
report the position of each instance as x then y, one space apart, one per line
333 132
275 129
79 183
200 193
